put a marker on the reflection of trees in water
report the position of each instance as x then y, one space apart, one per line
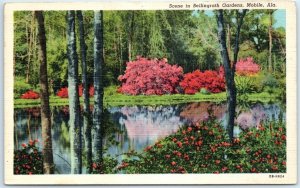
246 118
259 113
27 126
146 124
199 112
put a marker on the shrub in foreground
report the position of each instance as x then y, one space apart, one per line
150 77
204 148
28 160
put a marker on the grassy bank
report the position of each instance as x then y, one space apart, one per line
112 98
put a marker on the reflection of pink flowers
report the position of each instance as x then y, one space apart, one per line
148 124
252 118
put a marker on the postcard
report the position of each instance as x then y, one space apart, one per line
199 92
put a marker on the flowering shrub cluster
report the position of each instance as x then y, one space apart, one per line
30 95
247 67
63 92
205 148
28 160
213 81
150 77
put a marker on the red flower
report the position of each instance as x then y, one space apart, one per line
217 161
179 144
168 156
253 170
274 168
283 163
173 163
148 148
174 139
189 129
31 142
224 169
186 157
24 145
94 165
283 137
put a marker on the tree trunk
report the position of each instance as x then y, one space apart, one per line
86 105
44 95
98 76
228 39
130 38
270 40
74 122
229 70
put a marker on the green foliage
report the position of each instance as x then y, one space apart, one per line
270 81
20 87
244 85
204 91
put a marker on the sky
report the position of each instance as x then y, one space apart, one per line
279 16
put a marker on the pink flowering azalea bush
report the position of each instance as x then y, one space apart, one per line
150 77
247 67
213 81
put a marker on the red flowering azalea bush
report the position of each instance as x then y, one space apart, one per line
213 81
150 77
28 160
63 92
30 95
247 67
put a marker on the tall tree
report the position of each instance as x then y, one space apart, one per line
98 84
44 95
86 105
270 30
230 68
130 37
74 122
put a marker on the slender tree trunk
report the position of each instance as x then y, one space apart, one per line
229 70
270 40
74 122
228 39
44 95
130 38
86 105
98 76
28 126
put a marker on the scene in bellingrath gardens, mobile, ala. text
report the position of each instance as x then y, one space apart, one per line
149 91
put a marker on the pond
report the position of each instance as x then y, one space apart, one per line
135 127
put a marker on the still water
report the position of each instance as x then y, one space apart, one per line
134 127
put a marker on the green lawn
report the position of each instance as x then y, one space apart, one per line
112 98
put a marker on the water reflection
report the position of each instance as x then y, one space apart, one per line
137 126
